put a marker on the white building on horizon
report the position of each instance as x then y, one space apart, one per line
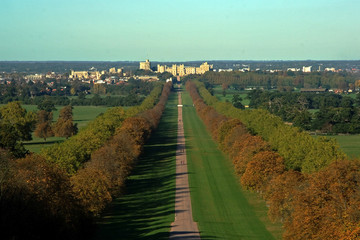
306 69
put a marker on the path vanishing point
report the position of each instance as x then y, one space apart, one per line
184 226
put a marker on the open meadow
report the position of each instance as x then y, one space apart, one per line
82 115
218 92
221 207
147 208
350 144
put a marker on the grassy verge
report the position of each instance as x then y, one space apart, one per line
219 204
146 210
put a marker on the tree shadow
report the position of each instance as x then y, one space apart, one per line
146 209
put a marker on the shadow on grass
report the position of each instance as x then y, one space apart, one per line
43 142
146 209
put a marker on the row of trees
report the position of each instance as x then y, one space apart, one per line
63 127
71 154
337 114
40 200
112 163
281 80
320 205
300 151
63 92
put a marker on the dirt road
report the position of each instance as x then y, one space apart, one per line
183 227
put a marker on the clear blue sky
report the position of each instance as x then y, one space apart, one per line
179 30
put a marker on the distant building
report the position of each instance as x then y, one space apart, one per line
95 75
181 70
306 69
145 65
79 74
293 69
147 78
330 70
313 90
84 75
225 70
34 77
112 70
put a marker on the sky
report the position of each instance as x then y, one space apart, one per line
179 30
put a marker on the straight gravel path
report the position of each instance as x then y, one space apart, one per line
184 226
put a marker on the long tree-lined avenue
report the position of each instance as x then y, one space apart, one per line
146 209
183 227
218 203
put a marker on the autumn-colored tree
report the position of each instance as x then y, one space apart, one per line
115 160
246 150
280 194
138 129
37 202
43 127
64 127
90 187
263 167
328 205
226 129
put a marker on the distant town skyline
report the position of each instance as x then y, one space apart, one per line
178 30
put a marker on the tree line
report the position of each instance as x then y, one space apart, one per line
39 198
300 151
64 93
318 204
337 114
71 154
283 79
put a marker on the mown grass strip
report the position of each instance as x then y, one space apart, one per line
146 210
218 202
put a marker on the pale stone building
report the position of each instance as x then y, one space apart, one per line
145 65
79 74
306 69
181 70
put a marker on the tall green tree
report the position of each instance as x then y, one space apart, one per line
47 104
236 101
16 125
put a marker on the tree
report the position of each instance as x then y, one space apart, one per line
15 125
47 104
236 101
264 166
64 127
91 188
43 128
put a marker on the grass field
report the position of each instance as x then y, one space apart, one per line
147 208
218 92
82 116
350 144
218 202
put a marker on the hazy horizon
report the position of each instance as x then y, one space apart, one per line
179 30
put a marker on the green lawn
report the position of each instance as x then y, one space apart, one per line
219 204
350 144
82 116
218 92
147 208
